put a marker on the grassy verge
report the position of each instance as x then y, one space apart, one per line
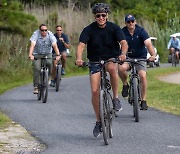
161 95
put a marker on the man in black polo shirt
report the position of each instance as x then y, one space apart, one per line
102 38
137 39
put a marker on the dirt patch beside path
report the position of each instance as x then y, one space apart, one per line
172 78
16 139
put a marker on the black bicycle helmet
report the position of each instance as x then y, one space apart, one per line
100 8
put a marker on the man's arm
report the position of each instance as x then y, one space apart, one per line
150 48
67 45
124 49
79 52
169 44
31 49
54 45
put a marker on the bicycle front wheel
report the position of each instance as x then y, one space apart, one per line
135 99
110 113
44 93
58 76
173 60
104 116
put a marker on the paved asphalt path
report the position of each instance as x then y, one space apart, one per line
66 121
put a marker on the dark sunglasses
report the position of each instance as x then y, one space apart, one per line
130 21
100 15
58 30
43 30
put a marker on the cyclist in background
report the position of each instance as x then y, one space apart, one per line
102 38
63 44
174 46
42 42
137 39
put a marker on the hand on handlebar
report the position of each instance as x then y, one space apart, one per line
58 58
152 58
79 62
31 57
122 58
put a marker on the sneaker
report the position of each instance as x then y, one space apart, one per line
35 90
62 71
143 105
116 104
52 84
97 129
125 90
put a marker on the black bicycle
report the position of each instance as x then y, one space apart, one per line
134 96
58 76
174 59
43 80
106 107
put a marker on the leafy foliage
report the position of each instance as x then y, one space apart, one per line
14 20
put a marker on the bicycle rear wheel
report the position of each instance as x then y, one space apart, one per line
104 116
58 76
39 93
135 99
173 60
44 93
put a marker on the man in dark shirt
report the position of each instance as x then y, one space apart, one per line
63 44
102 38
137 39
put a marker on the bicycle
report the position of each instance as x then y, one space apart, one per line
106 107
58 76
174 59
134 96
43 81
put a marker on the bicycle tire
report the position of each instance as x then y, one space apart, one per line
135 99
58 77
173 60
103 116
110 112
39 94
45 86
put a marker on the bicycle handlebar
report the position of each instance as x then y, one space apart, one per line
45 57
101 62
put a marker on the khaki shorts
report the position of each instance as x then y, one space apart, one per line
141 66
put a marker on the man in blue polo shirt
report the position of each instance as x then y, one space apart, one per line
137 39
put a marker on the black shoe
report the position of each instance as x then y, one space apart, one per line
97 129
63 71
125 90
52 84
116 104
143 105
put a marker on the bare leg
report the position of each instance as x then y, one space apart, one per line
95 86
112 69
54 69
122 71
63 58
143 80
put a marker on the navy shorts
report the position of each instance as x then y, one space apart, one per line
94 68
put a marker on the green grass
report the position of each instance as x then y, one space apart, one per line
11 80
161 95
4 120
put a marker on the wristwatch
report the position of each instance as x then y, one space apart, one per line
123 53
